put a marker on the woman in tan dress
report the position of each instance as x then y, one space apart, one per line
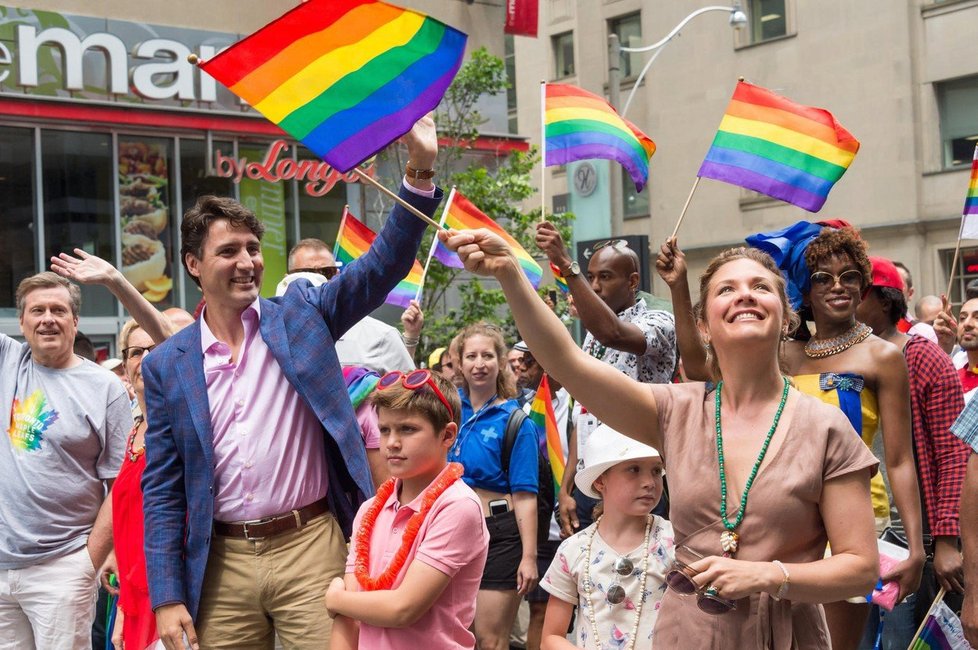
805 471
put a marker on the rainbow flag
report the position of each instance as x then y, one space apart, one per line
942 630
969 223
460 214
579 125
542 414
770 144
345 77
559 279
354 239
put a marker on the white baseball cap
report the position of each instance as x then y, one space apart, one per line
604 449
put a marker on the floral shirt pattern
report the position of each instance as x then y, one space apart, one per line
565 580
657 364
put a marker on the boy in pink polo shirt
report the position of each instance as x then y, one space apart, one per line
419 546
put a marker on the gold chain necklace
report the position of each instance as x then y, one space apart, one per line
818 349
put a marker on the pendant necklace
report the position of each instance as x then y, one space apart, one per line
729 539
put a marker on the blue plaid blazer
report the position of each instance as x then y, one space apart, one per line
300 329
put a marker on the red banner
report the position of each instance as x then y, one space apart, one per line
521 17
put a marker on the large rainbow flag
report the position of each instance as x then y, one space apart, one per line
461 214
772 145
354 239
542 414
579 125
345 77
969 223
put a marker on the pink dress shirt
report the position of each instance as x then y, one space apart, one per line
269 447
454 540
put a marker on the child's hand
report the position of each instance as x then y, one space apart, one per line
336 586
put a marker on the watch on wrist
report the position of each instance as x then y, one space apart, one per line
418 174
572 270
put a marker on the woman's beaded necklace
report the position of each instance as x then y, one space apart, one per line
588 585
818 349
361 567
131 451
729 539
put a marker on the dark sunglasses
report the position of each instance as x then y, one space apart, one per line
135 351
680 579
329 272
617 244
413 381
851 279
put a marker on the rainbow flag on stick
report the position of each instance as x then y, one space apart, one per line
461 214
969 223
345 77
354 239
941 630
772 145
542 414
579 125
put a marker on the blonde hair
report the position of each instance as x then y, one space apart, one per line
505 381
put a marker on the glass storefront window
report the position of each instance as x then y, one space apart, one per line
78 203
321 215
18 246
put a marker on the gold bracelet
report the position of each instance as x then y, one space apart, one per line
783 589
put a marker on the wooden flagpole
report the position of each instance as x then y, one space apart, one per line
954 266
434 243
940 597
685 207
407 206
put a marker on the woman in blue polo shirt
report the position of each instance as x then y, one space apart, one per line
508 494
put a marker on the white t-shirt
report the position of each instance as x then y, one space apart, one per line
565 580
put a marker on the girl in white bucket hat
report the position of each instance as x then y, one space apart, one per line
613 570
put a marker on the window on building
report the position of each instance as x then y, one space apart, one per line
18 246
768 19
966 271
510 60
79 205
636 204
956 102
629 31
563 45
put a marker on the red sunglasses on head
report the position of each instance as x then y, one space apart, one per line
413 381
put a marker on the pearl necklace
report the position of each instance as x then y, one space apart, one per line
588 585
818 349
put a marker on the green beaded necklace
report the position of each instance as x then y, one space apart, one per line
729 538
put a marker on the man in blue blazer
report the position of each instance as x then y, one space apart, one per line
255 463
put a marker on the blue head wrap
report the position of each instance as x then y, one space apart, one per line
787 247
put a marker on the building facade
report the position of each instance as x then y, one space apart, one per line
108 134
901 75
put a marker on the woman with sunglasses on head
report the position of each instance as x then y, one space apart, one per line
508 493
762 572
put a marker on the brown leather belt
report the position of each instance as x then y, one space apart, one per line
274 525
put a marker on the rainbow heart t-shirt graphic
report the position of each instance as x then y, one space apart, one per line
29 420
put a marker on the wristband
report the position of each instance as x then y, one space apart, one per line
409 342
418 174
783 589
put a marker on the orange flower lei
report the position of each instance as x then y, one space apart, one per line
362 565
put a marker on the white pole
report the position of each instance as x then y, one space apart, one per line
434 243
543 150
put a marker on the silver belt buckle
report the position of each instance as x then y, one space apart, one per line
254 522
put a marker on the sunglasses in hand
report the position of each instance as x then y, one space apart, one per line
680 579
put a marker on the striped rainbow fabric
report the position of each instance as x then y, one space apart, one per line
345 77
579 125
969 219
354 239
461 214
772 145
542 414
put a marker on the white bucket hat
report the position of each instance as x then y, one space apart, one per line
605 448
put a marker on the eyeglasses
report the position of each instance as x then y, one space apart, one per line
622 567
680 579
328 272
413 381
617 244
851 279
135 351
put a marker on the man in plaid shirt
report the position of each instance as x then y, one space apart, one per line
966 428
936 400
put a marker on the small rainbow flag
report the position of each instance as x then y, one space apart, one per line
942 630
345 77
461 214
542 414
579 125
969 224
772 145
559 279
354 239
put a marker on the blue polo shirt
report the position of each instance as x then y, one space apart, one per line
479 448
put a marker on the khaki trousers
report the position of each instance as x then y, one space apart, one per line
254 590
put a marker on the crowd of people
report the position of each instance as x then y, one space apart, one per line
279 472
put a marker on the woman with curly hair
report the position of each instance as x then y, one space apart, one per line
507 491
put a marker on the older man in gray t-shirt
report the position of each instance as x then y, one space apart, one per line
66 435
